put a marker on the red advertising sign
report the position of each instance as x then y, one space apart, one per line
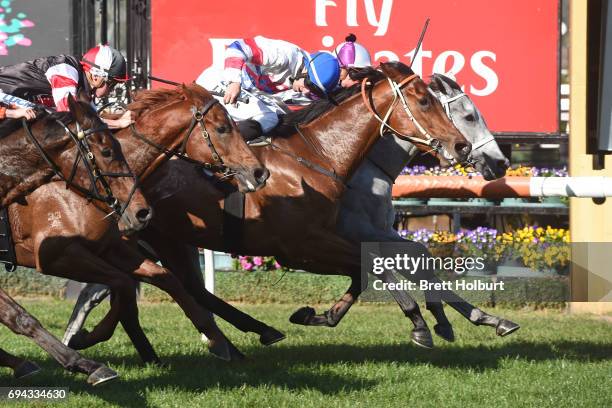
504 53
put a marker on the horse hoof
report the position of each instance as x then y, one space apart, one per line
25 369
422 338
77 341
221 350
505 327
445 331
271 336
101 375
302 316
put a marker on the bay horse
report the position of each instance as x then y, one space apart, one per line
187 124
76 147
93 164
294 216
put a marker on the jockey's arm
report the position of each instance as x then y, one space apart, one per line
259 51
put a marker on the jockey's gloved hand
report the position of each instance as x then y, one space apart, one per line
231 93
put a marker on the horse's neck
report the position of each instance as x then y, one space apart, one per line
139 155
345 134
391 154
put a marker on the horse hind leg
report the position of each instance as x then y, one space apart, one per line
478 317
21 322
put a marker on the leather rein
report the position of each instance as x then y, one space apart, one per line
93 170
179 148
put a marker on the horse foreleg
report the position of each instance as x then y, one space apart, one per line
503 327
78 263
148 271
21 322
420 335
183 261
329 256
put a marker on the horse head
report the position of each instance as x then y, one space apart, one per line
486 155
223 141
418 116
97 167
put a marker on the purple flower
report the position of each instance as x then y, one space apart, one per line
258 260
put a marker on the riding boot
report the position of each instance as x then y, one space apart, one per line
250 129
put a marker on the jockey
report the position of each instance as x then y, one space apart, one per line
351 55
49 80
270 73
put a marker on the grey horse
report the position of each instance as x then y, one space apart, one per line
367 213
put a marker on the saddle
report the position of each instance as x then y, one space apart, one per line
7 248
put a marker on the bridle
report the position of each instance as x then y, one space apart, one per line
85 154
179 148
445 101
429 140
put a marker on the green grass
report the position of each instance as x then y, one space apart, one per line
555 360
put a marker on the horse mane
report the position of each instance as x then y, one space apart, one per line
147 99
319 107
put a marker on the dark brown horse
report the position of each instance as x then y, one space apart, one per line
294 216
77 147
95 164
82 245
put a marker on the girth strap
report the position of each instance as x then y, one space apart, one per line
7 247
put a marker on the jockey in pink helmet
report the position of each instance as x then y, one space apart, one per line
351 54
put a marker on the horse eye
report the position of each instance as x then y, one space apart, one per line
222 129
470 118
107 152
424 101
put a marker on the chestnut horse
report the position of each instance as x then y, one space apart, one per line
294 216
79 244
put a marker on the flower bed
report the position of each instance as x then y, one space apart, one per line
533 247
458 170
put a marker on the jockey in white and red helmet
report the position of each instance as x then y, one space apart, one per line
351 55
49 80
269 72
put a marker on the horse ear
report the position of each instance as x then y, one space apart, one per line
75 109
451 75
83 96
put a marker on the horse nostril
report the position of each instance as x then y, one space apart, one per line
504 164
143 215
463 148
261 174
